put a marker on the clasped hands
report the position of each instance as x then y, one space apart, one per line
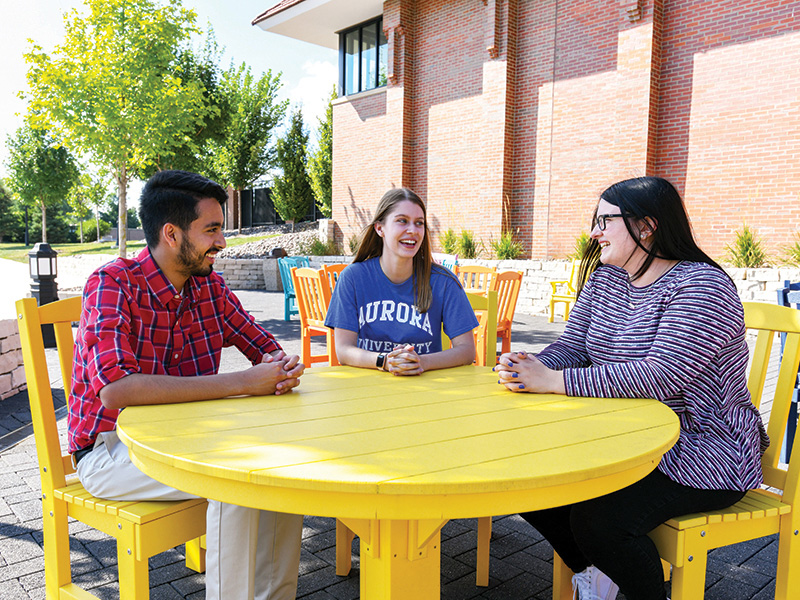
523 372
277 373
403 360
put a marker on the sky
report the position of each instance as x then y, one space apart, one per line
308 71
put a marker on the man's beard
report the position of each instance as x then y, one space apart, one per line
193 263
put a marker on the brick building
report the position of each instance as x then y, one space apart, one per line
515 114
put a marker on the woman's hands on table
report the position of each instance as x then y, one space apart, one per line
404 360
523 372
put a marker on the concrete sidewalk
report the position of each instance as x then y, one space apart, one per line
521 561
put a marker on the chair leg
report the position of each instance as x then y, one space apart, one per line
344 548
134 574
484 540
689 581
506 338
196 555
552 311
787 580
566 311
305 352
562 579
58 569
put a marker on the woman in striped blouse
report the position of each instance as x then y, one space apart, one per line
655 318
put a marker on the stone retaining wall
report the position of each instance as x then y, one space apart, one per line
12 373
262 274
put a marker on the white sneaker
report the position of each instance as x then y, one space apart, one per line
593 584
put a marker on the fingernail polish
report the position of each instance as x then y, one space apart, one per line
521 386
515 374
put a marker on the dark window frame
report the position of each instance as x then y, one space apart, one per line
343 75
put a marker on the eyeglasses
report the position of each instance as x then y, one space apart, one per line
601 220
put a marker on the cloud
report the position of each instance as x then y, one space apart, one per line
312 91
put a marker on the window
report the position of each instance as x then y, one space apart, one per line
362 57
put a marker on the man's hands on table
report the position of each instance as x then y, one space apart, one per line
285 377
523 372
276 374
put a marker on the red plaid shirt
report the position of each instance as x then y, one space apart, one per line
134 321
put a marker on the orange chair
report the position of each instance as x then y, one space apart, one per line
507 284
313 297
475 278
333 272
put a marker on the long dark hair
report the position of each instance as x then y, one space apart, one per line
372 244
657 199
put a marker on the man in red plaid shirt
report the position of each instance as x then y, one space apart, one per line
151 332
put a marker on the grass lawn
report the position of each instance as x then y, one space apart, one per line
19 252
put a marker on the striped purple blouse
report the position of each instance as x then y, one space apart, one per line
680 340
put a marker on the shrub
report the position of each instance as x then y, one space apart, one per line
746 250
90 230
580 245
506 248
791 253
316 247
467 246
353 242
449 242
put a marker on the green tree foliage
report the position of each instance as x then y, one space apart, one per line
244 154
320 166
10 224
41 170
114 89
291 192
196 153
88 195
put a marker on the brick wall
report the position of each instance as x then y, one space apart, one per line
12 373
575 95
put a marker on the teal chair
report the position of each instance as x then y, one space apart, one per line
285 265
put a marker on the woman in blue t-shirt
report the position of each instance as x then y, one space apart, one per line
389 307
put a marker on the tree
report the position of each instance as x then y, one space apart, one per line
113 88
9 220
291 192
245 154
86 196
320 166
41 170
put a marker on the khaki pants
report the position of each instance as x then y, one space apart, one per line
251 554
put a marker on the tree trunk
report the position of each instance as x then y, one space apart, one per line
97 220
122 220
80 225
44 222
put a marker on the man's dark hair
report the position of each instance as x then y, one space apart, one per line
172 197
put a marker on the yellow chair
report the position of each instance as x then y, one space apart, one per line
332 272
142 529
565 291
475 278
313 297
685 541
507 284
485 308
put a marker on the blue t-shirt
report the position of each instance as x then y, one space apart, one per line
384 314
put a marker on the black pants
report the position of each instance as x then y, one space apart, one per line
610 532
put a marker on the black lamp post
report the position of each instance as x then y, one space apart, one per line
44 269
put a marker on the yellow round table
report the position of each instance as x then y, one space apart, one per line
395 458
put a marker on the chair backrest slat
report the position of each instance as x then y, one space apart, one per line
30 318
475 277
507 284
769 319
332 272
285 265
313 295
